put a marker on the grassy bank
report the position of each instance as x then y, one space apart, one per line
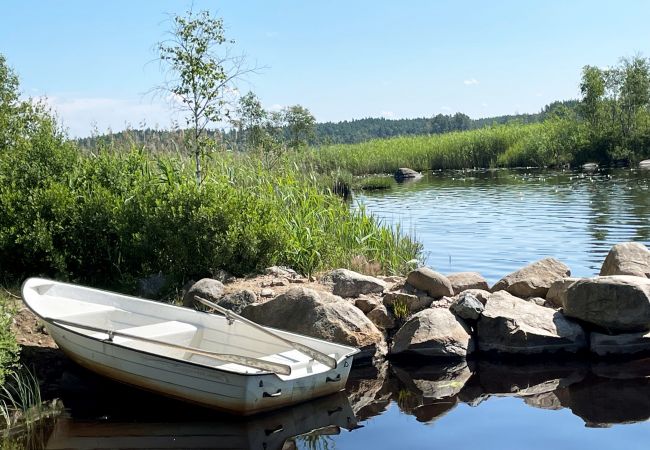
8 346
555 142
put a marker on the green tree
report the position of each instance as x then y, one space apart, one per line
201 73
251 117
592 88
301 125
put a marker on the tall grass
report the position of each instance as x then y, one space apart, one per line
554 142
9 348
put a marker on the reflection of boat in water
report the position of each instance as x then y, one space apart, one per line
226 363
307 421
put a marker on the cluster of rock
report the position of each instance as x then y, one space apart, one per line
537 309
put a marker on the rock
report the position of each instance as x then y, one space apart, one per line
431 282
267 293
618 303
369 393
347 283
481 295
590 167
545 400
412 302
367 304
534 280
628 258
237 301
281 271
404 173
443 302
467 306
539 301
320 315
297 280
462 281
382 318
434 332
645 164
278 282
620 344
392 279
207 288
512 325
557 292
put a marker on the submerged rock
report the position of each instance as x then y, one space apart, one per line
404 173
534 280
320 315
434 283
628 258
463 281
347 283
433 332
512 325
618 303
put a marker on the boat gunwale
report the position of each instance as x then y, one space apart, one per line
51 322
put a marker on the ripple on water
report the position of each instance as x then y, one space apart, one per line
494 222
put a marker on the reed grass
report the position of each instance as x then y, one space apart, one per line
375 183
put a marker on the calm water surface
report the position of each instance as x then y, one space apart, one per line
494 222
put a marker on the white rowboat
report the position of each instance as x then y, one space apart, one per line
222 362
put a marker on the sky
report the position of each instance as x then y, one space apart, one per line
95 61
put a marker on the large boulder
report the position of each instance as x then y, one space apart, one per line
534 280
463 281
320 315
513 325
557 293
382 318
620 344
206 288
481 294
628 258
347 283
434 283
617 304
433 332
645 164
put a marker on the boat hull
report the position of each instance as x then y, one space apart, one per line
242 394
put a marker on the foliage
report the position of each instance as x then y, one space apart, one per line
202 77
9 348
401 310
373 183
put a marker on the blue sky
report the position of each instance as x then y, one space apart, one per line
94 60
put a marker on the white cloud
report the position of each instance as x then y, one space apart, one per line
275 107
387 114
470 82
445 108
484 105
79 115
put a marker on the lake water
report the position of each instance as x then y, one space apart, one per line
483 405
496 221
492 222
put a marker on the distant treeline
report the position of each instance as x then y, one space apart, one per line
345 132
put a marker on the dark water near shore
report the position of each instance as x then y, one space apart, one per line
494 222
480 405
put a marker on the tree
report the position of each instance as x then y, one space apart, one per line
201 73
301 124
251 118
592 88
